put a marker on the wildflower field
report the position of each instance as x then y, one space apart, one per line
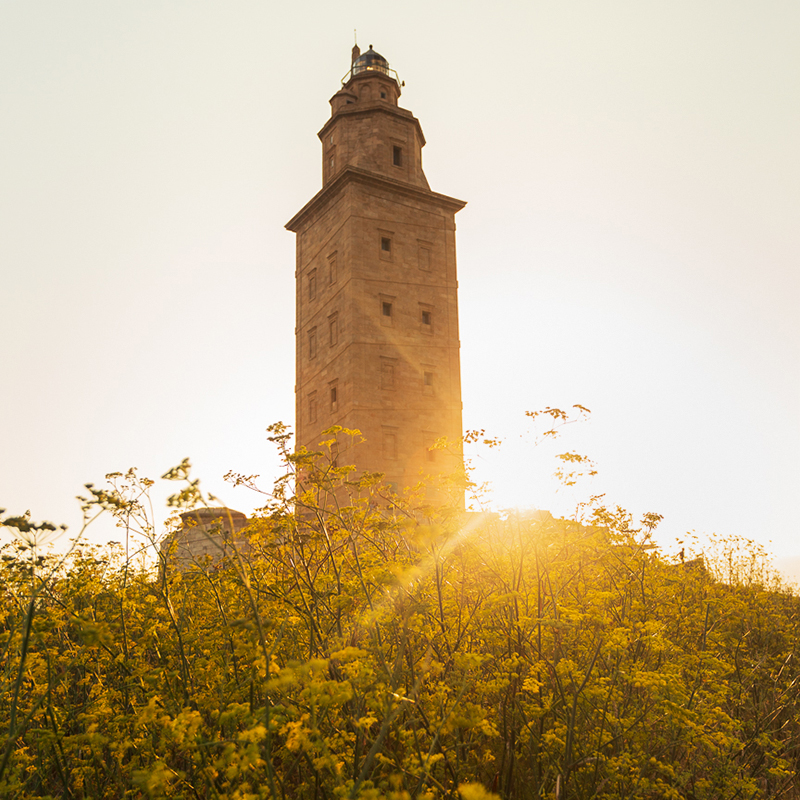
364 646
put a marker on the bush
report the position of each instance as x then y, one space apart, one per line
364 646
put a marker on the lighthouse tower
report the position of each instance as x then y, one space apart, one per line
377 307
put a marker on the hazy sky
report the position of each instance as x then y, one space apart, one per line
631 241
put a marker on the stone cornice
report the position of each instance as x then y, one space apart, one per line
355 175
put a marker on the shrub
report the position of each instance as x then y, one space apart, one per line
366 646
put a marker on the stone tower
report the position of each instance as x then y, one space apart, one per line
377 308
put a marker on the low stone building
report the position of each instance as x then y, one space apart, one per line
206 535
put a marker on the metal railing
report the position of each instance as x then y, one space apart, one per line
361 68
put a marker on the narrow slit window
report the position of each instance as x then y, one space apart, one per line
390 444
312 407
427 379
397 156
386 310
386 244
427 318
312 284
333 328
424 259
312 343
430 448
387 374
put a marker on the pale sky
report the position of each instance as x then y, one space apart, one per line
631 241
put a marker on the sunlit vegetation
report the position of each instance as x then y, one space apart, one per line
365 646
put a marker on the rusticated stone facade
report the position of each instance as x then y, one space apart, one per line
377 309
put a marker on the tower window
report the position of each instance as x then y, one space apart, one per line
312 407
397 156
386 245
332 268
427 379
312 343
389 443
424 257
427 319
429 443
383 95
387 309
333 328
387 373
312 284
334 393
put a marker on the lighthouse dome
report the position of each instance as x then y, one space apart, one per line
370 61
